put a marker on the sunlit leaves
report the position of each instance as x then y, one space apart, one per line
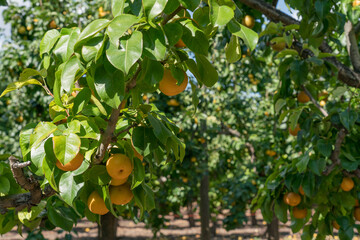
66 147
130 51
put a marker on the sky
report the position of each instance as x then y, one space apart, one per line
281 6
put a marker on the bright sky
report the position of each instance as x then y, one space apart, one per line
281 6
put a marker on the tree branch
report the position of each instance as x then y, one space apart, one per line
336 152
109 132
274 3
323 111
345 74
252 152
24 200
167 18
352 46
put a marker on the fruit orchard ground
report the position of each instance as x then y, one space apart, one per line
177 229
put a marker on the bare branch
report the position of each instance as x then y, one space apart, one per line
251 149
352 46
323 111
345 74
229 131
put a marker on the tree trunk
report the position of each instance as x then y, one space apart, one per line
205 207
213 227
253 219
273 229
204 192
190 214
108 227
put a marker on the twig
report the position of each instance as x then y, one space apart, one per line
352 45
123 131
323 111
171 15
336 152
345 74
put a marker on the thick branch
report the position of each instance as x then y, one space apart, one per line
323 111
345 74
229 131
109 132
24 200
271 12
352 46
251 149
336 152
29 184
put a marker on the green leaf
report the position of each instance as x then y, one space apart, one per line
298 72
81 100
304 160
119 25
41 132
98 175
317 165
280 210
139 173
109 86
249 37
143 140
70 186
4 185
233 50
161 132
219 15
68 74
324 147
207 72
152 8
66 147
19 84
287 52
48 41
294 118
154 44
25 139
194 38
151 74
173 32
65 46
28 73
37 157
190 4
117 7
92 48
280 103
348 118
149 197
131 50
90 30
59 218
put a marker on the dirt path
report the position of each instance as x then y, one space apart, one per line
177 229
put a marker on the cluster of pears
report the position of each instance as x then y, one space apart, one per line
119 167
294 199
